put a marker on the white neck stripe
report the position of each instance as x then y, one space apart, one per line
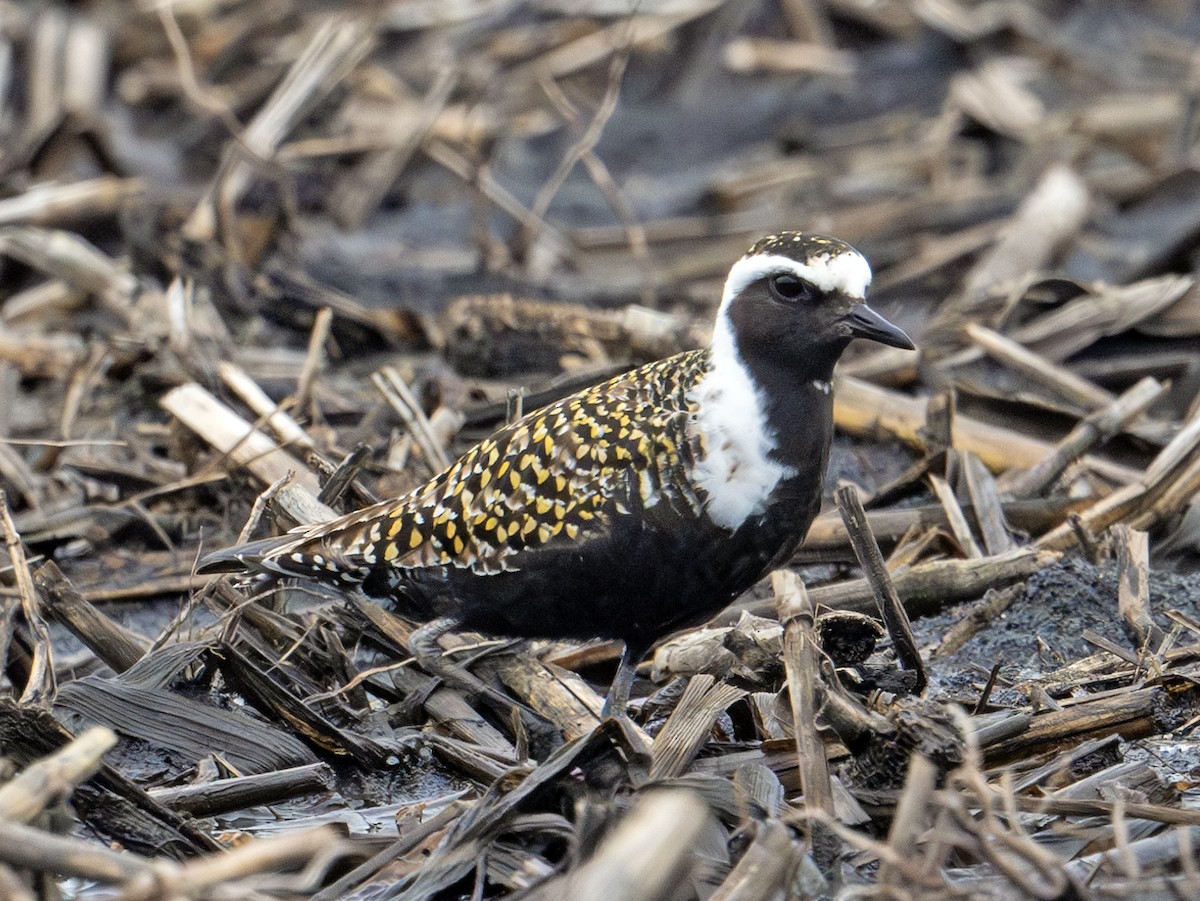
847 272
736 473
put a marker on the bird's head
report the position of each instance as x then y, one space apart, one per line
796 300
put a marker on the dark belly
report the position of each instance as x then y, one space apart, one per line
636 585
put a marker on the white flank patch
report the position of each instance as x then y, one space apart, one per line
737 473
848 272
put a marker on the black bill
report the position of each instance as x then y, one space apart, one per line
866 323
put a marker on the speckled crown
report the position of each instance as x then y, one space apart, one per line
799 246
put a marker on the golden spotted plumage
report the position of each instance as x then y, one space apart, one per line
558 473
798 245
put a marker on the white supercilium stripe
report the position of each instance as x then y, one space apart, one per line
848 272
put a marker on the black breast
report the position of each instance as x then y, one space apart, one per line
637 584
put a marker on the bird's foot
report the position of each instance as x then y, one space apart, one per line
423 645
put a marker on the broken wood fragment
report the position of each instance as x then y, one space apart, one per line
871 560
798 616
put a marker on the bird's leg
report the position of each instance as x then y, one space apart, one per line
423 645
618 693
423 642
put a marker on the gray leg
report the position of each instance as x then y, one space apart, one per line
618 693
423 642
423 645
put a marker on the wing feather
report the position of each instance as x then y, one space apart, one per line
559 475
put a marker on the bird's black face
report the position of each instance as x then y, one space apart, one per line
795 301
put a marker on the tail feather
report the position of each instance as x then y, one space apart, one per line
288 555
240 558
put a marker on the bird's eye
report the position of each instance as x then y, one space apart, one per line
790 289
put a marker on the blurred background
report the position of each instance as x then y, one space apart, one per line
397 156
